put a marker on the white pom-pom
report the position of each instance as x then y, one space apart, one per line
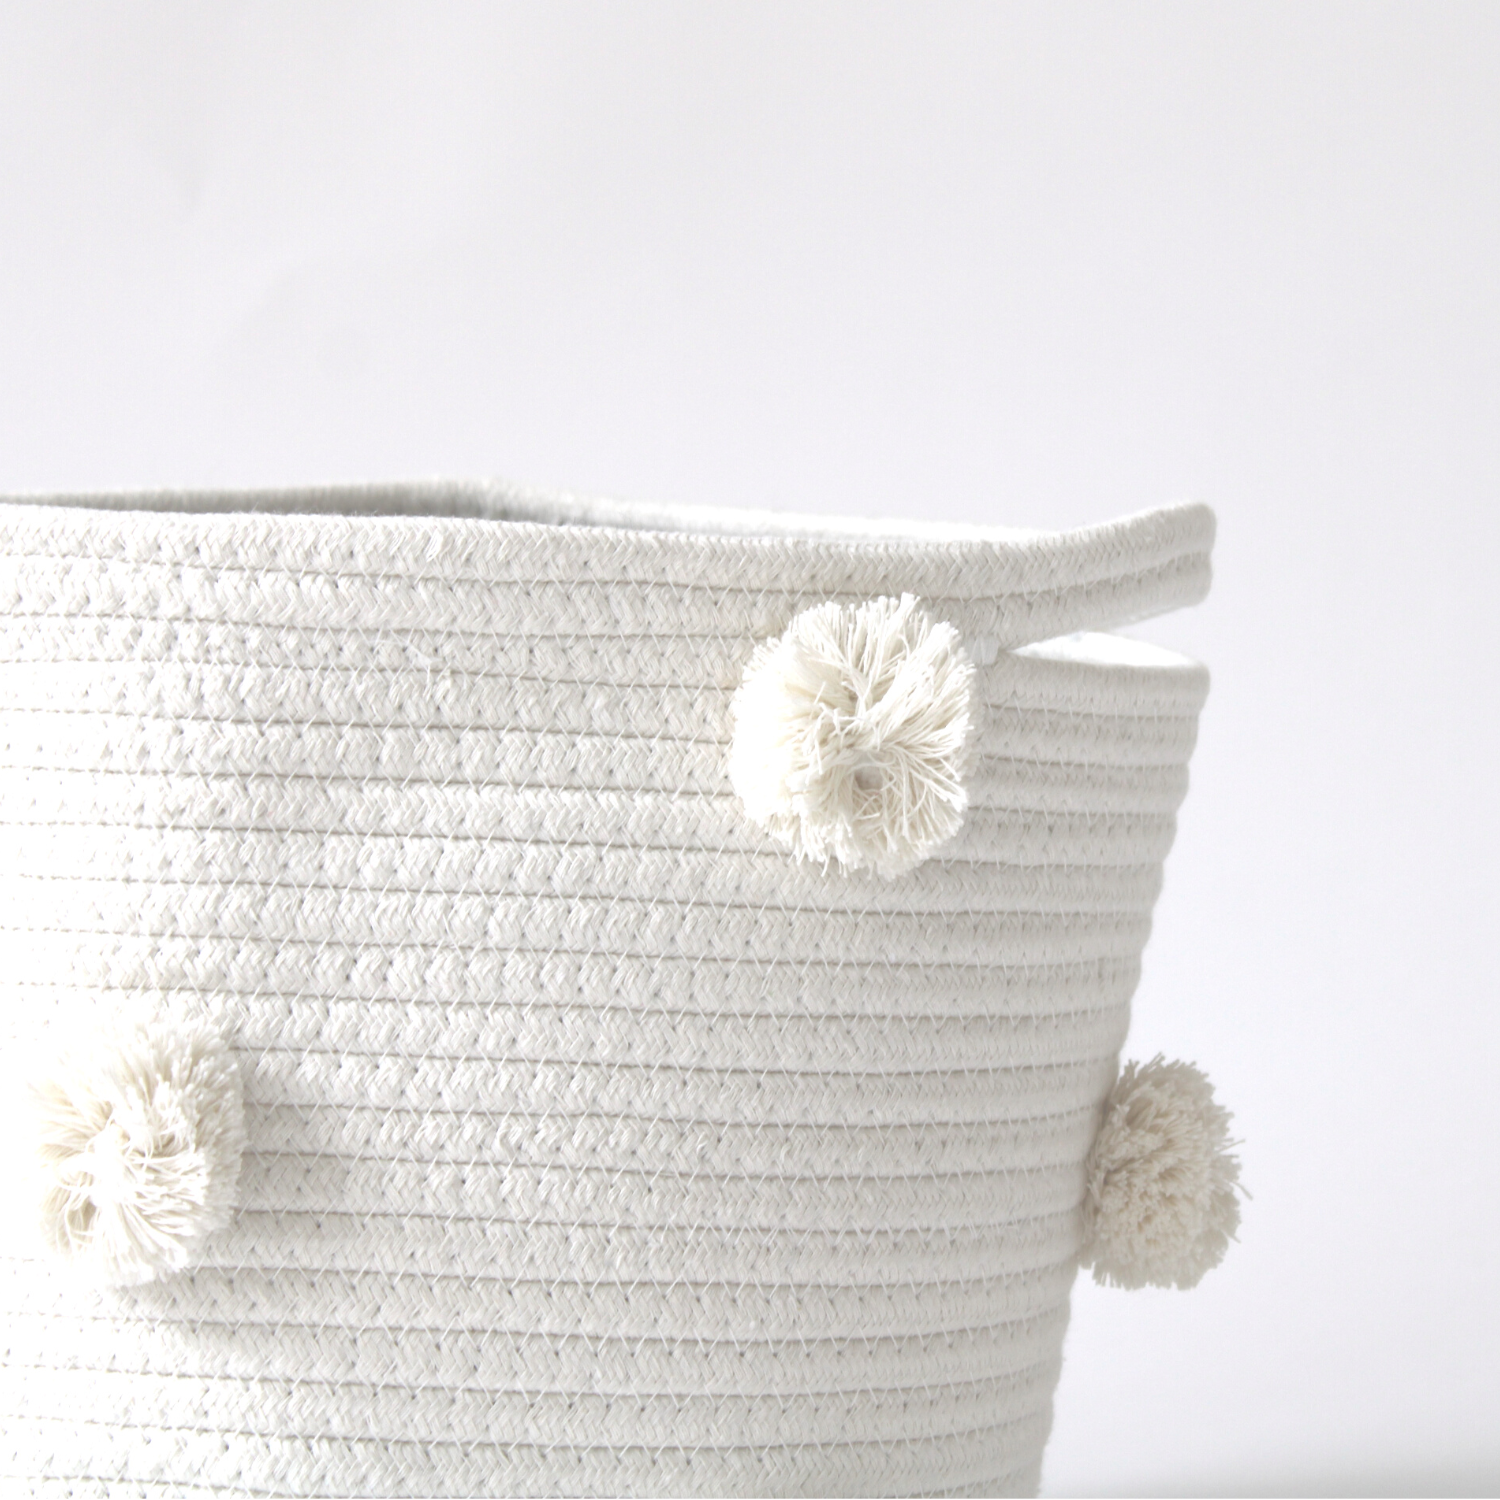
852 733
138 1138
1161 1205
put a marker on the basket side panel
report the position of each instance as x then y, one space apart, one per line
594 1147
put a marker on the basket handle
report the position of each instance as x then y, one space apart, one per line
1100 577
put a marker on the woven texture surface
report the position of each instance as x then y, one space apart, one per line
593 1144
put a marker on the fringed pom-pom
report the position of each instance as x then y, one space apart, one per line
852 733
138 1139
1161 1205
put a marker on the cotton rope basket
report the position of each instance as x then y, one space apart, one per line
508 995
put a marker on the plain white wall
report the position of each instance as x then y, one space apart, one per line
1038 264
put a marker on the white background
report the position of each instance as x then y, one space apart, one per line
1027 264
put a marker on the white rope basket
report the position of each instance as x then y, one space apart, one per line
575 1127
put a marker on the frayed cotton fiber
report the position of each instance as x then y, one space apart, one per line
137 1133
852 734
